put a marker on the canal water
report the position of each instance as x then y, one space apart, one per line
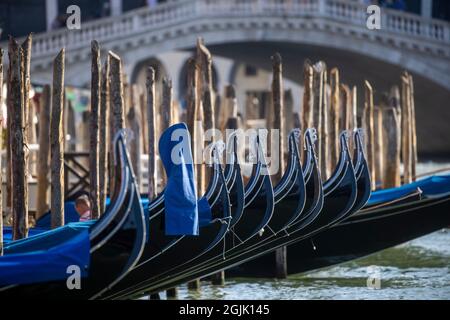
419 269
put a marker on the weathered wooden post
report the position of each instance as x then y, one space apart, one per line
369 131
26 47
334 117
32 138
151 113
144 127
412 111
94 131
354 114
167 104
279 122
18 140
278 104
392 140
117 106
27 114
44 148
57 142
134 122
324 128
191 99
1 147
104 137
288 113
320 120
406 130
71 126
306 114
206 91
379 145
166 113
117 92
345 100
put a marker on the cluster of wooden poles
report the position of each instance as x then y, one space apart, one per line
389 128
328 105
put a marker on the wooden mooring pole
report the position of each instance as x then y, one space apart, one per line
368 124
278 123
407 156
18 140
27 114
1 147
57 142
117 107
392 140
324 127
94 131
334 110
44 152
379 144
104 137
345 100
134 123
306 114
151 114
412 111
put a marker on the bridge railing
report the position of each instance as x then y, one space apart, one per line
177 11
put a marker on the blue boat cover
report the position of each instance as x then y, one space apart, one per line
7 233
46 263
70 215
180 194
431 186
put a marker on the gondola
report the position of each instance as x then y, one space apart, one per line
299 231
187 248
258 203
421 206
341 175
113 244
363 234
339 172
210 204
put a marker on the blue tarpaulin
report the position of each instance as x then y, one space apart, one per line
431 186
48 263
70 215
180 194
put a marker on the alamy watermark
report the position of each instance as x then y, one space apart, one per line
374 19
73 21
73 281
